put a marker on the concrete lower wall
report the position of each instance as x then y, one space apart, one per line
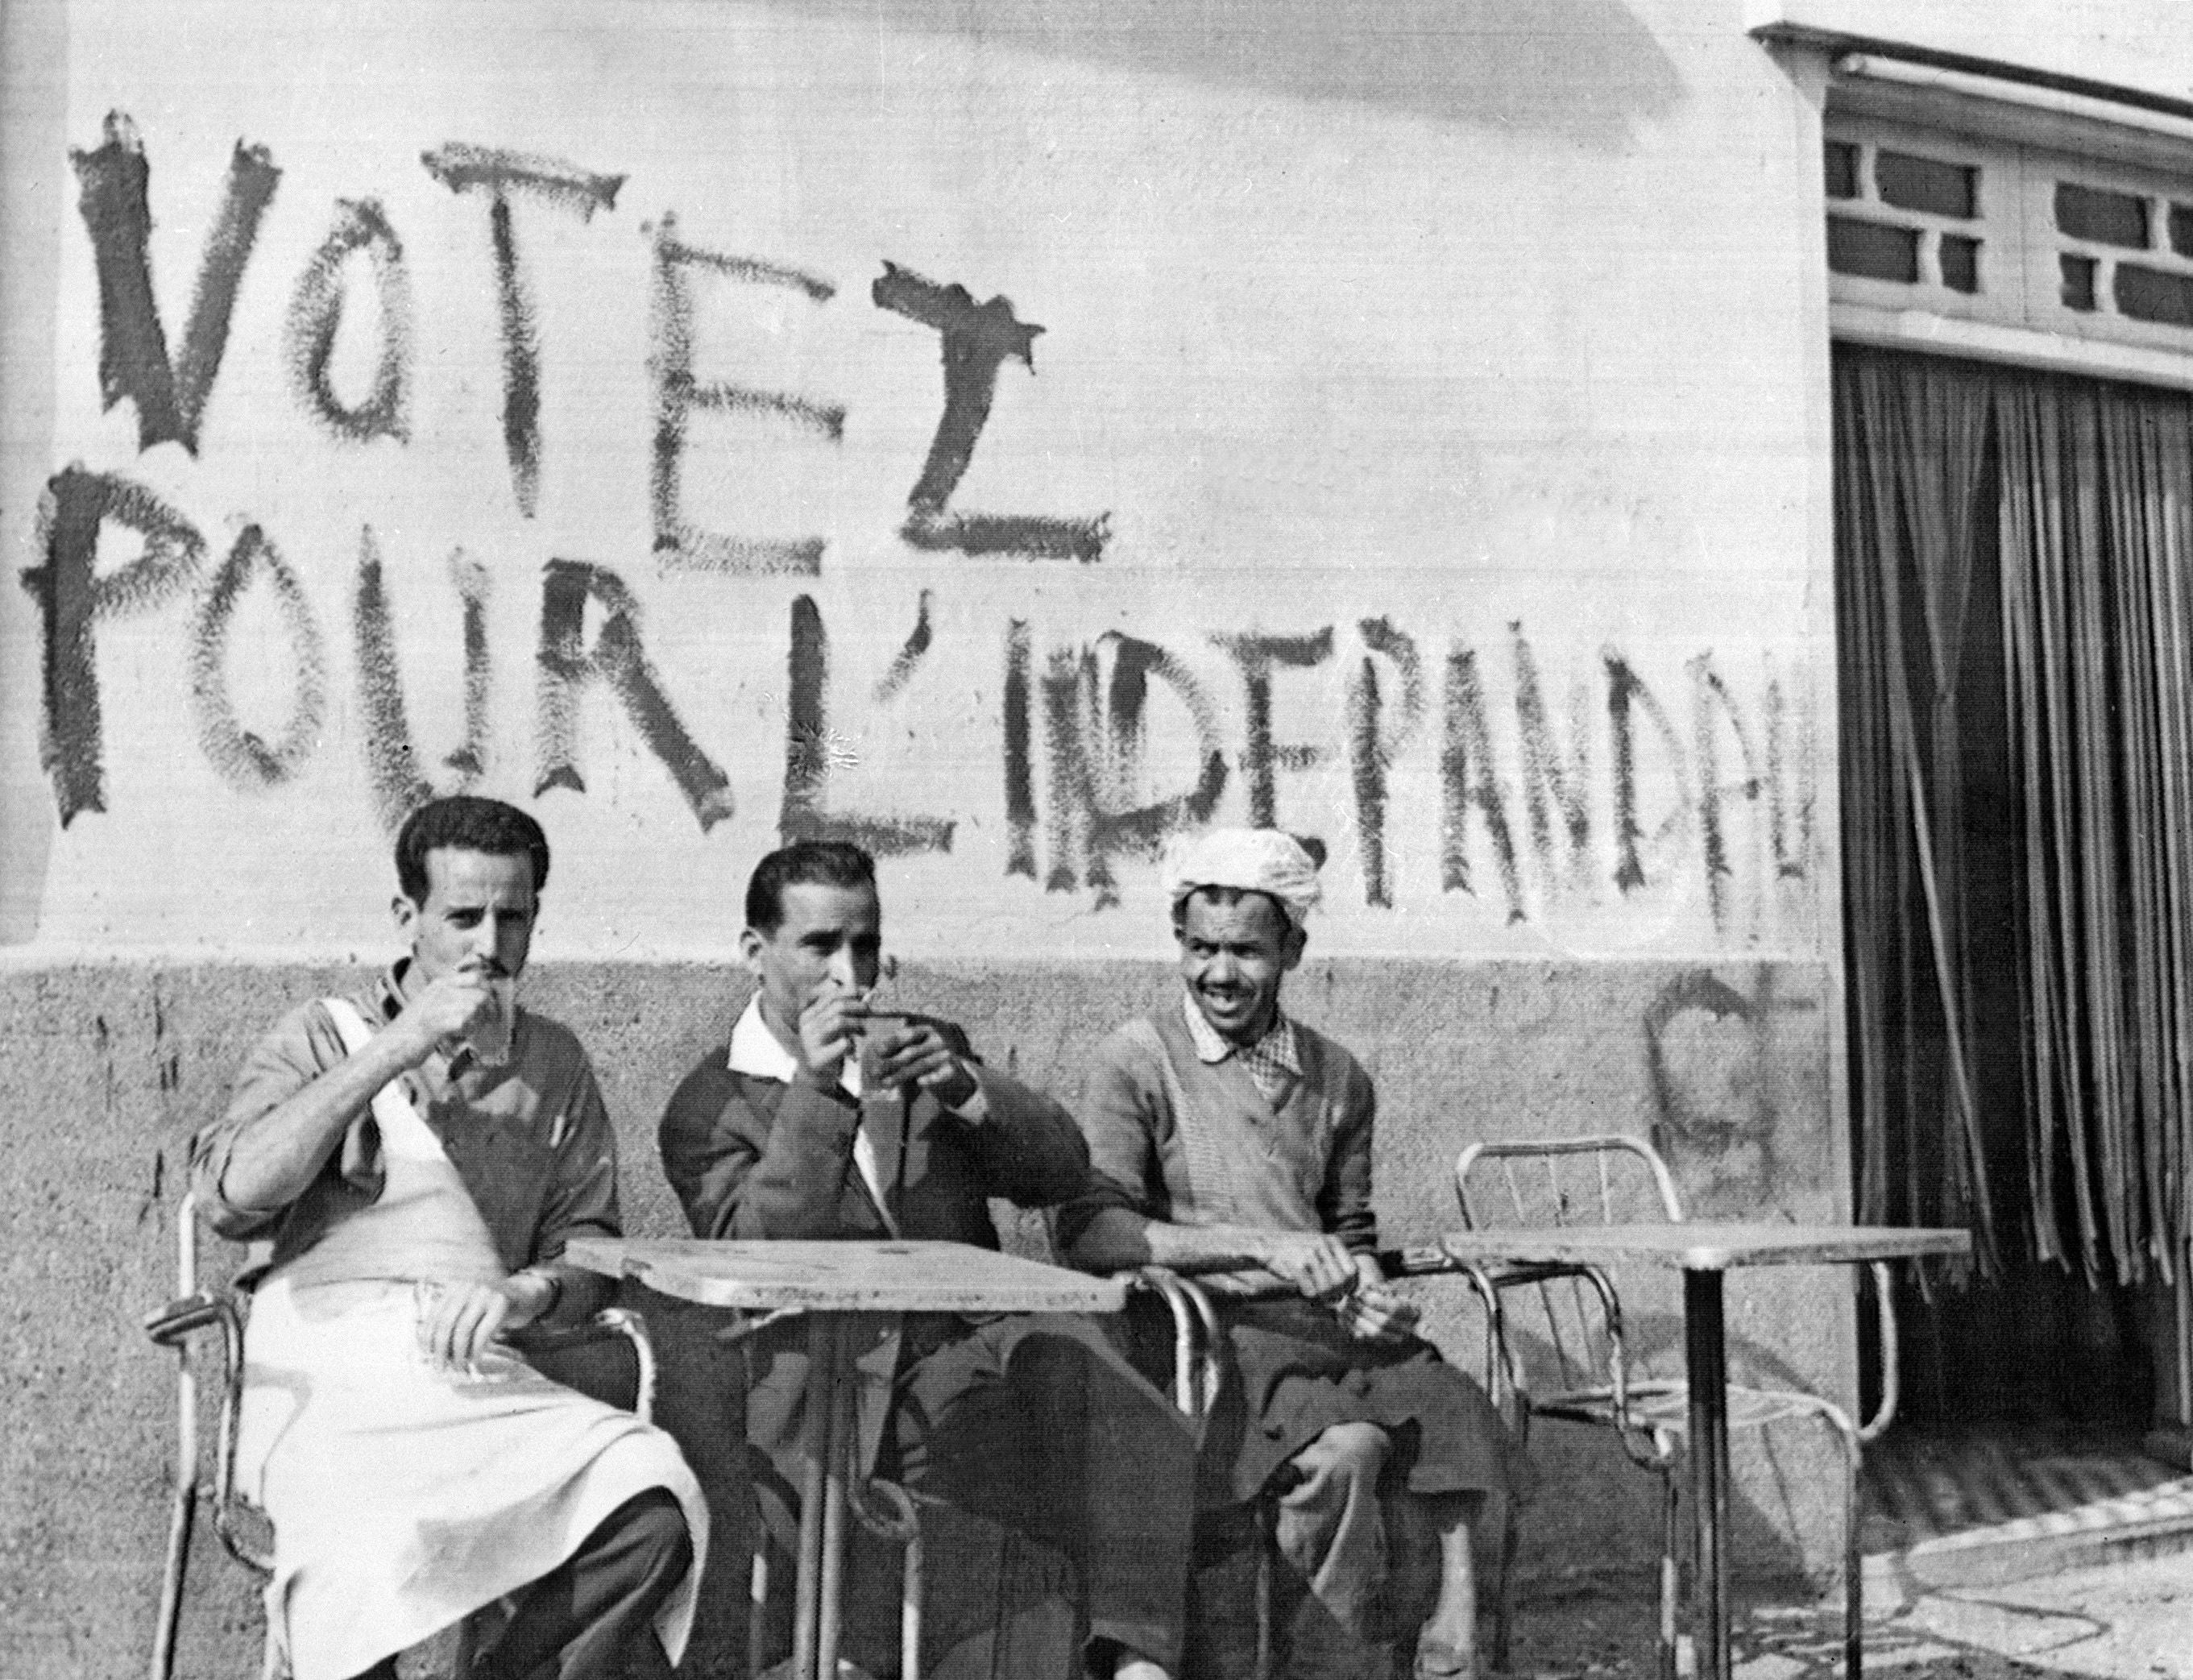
106 1068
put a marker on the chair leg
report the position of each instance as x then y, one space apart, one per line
179 1521
1503 1590
1671 1571
1853 1563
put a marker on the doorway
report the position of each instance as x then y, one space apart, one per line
2014 581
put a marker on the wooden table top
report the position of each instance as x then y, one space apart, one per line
1705 1245
884 1276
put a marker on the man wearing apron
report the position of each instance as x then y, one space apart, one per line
419 1155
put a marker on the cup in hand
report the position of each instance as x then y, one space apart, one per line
877 1031
496 1030
883 1111
868 1054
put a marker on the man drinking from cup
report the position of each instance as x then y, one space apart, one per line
826 1117
419 1155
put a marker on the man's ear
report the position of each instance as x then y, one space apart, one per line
750 944
406 915
1297 939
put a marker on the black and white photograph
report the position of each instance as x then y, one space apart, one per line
1096 839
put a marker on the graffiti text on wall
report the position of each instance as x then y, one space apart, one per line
1527 806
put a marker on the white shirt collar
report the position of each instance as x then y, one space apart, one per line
756 1051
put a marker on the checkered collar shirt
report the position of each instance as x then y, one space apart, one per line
1273 1061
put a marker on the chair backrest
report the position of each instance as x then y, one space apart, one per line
1609 1179
1602 1180
176 1326
237 1520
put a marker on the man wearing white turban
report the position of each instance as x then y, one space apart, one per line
1231 1141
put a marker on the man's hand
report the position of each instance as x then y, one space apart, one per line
915 1053
457 1321
444 1012
1318 1266
829 1028
1372 1312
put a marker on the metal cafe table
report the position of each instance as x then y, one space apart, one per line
1703 1252
828 1282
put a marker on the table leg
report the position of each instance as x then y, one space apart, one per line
837 1466
1706 1369
815 1598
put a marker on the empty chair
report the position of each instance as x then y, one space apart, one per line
1576 1312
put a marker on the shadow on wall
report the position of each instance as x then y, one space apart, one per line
1585 70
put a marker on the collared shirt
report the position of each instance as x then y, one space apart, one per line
1176 1137
530 1139
1273 1061
758 1052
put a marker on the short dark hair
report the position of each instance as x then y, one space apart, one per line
1230 895
803 863
462 822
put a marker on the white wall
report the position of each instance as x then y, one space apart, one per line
1502 342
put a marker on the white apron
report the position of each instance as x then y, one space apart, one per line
404 1496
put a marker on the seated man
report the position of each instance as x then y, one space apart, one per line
420 1155
1032 1421
1230 1140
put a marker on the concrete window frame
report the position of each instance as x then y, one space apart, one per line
2027 142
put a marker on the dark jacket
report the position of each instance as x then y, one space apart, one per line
752 1157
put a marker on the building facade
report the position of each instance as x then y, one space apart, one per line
1005 435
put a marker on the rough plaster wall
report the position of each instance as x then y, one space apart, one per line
108 1067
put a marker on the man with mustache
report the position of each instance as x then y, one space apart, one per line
1230 1140
1031 1421
419 1155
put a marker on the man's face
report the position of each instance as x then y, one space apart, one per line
831 938
477 916
1232 957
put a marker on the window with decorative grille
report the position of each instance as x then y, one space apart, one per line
1978 228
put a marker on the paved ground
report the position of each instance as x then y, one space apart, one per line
2131 1620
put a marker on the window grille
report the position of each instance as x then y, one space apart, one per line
2077 244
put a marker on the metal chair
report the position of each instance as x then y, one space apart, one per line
1198 1370
242 1528
1620 1179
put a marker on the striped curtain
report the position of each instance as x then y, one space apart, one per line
1912 479
2017 655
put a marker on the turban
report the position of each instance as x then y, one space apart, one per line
1253 860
